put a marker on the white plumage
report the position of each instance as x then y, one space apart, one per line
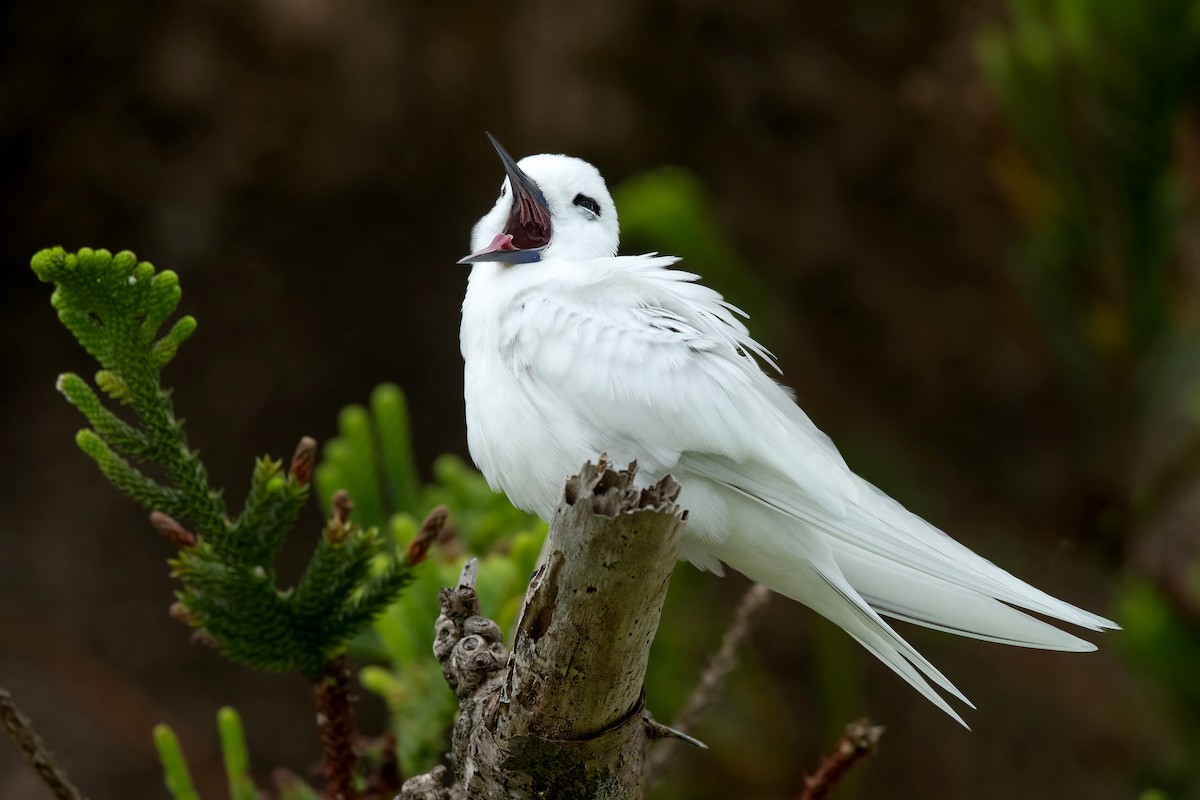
572 351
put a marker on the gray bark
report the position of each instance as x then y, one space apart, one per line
563 715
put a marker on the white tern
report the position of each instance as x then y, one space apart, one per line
572 351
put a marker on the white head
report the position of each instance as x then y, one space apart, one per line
550 206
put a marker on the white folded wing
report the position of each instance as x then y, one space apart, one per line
657 367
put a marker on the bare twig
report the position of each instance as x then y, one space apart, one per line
34 751
87 681
711 680
724 660
335 718
860 740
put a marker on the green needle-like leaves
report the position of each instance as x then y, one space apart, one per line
117 308
237 759
175 768
237 765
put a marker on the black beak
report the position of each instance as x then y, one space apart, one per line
527 232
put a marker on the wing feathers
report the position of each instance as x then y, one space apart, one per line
630 357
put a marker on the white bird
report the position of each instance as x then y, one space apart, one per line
572 351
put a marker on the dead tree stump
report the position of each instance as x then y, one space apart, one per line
563 715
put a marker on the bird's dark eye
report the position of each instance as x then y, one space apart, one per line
583 201
503 189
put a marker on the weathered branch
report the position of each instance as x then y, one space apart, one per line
563 716
860 741
32 750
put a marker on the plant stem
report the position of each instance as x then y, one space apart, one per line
20 729
335 719
860 740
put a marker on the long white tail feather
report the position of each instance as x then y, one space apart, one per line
909 595
891 513
851 584
901 667
836 600
819 584
875 626
883 528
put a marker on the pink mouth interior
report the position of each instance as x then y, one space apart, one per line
527 229
530 229
503 241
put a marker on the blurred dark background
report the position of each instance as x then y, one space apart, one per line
978 277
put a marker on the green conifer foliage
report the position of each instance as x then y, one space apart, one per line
116 307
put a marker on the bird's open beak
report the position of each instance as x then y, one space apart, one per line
527 232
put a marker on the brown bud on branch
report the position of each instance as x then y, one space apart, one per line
336 529
342 506
182 613
303 460
206 639
169 527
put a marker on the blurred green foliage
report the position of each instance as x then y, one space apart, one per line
1093 90
235 756
175 769
232 736
1096 92
372 457
1165 645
